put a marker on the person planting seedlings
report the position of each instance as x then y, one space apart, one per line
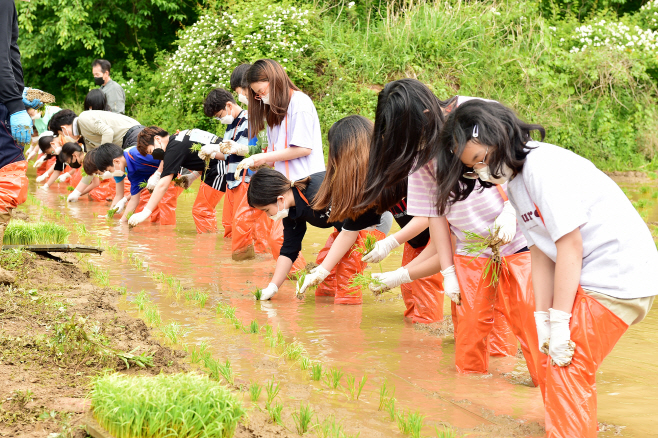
323 201
408 122
220 105
177 152
50 146
99 188
593 256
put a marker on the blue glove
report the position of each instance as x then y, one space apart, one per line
36 103
21 127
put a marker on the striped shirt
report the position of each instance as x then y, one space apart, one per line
238 131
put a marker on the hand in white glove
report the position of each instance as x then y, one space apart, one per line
40 161
44 176
118 208
268 292
33 153
244 164
73 196
505 223
312 279
229 147
390 280
140 217
153 181
543 324
45 187
561 347
185 181
209 151
63 177
451 285
381 250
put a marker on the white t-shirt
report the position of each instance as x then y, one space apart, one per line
619 255
303 132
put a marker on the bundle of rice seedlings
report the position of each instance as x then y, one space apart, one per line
19 232
111 212
45 98
196 147
143 184
181 405
368 245
70 188
476 245
258 293
363 281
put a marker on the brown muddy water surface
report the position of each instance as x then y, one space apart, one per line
372 339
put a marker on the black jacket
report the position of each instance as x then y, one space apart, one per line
11 72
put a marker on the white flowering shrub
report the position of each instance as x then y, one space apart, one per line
615 35
210 49
648 15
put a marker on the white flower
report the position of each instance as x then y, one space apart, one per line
350 5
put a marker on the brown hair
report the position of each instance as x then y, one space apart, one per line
88 164
343 185
145 138
280 86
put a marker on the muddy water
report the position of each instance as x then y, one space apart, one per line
370 339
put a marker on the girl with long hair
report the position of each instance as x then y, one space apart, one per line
592 255
324 200
408 123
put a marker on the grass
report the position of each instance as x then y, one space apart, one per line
141 299
302 418
152 316
254 391
19 232
189 404
174 332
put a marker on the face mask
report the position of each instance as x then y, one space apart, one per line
118 173
75 164
57 151
280 214
158 154
243 99
99 81
485 175
265 99
226 120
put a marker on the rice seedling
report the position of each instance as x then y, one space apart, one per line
654 195
332 378
354 389
253 327
142 360
294 351
152 316
141 299
268 330
174 332
81 230
305 363
645 189
227 372
187 403
445 433
316 371
254 391
280 339
19 232
143 184
275 412
410 424
201 298
363 281
303 418
272 390
476 245
368 244
329 428
111 212
121 289
197 354
390 408
258 293
385 394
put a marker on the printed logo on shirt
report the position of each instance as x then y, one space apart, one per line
527 217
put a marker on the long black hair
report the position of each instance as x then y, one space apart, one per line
408 121
498 127
267 185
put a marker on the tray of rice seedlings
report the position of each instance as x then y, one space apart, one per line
363 281
35 93
19 232
477 244
180 405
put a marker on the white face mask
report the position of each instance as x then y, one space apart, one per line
58 150
243 99
226 120
485 175
118 173
265 99
280 214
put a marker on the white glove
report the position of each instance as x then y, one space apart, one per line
229 147
209 151
140 217
45 187
505 223
186 181
33 153
43 177
40 161
561 347
120 205
268 292
543 330
63 177
451 285
390 280
312 279
153 181
244 164
73 196
381 250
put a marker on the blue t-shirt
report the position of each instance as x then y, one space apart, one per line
139 168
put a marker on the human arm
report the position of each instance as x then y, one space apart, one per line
159 192
51 179
95 182
131 206
286 154
383 247
104 130
118 196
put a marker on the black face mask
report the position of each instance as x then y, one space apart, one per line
75 164
99 81
158 154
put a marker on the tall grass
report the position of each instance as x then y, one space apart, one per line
19 232
181 405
